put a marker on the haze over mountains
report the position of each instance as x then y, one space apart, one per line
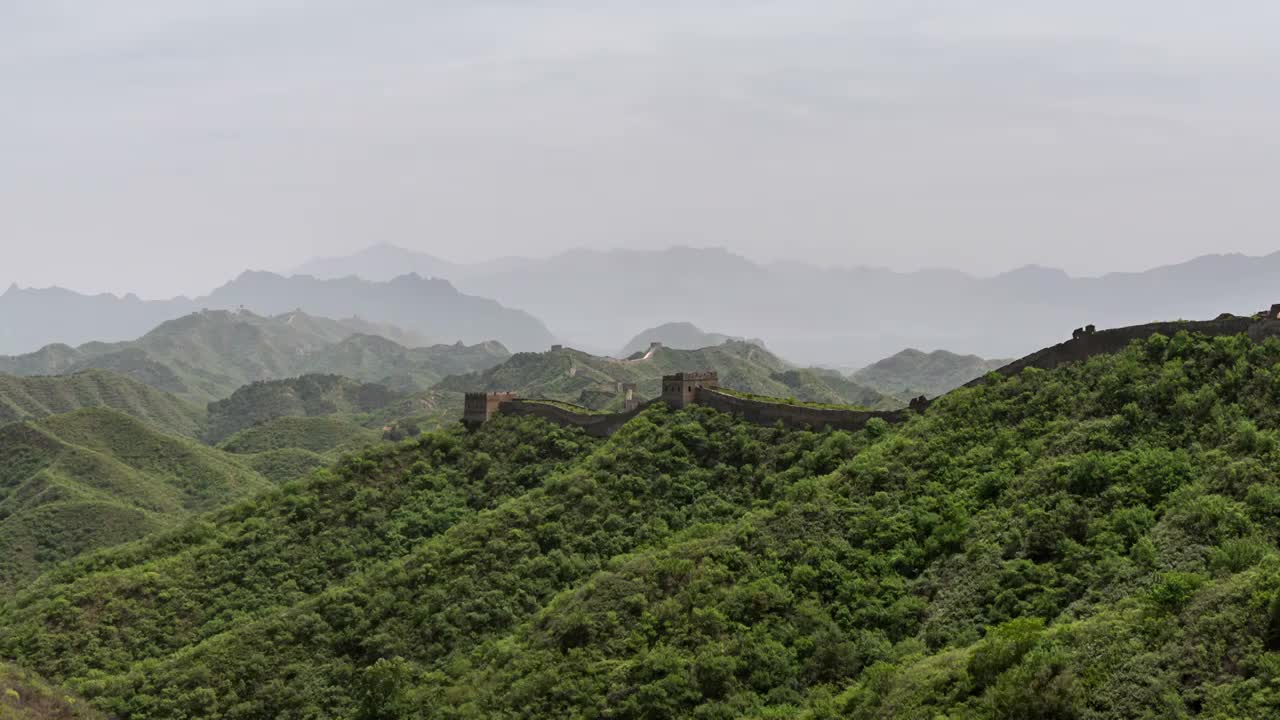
596 300
679 335
842 316
427 308
206 355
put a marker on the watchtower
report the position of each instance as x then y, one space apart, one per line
478 407
630 400
1275 312
681 389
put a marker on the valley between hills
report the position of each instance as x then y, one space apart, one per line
243 516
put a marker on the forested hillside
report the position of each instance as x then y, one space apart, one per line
1097 541
375 359
300 397
96 477
25 398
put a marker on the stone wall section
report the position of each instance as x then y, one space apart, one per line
701 388
1105 342
797 417
595 424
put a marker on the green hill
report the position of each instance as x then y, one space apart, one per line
23 696
205 356
319 434
26 398
595 382
284 464
912 373
306 396
1096 542
97 477
371 358
677 335
829 387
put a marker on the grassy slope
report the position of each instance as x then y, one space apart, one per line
23 696
315 434
205 356
370 358
912 373
306 396
95 477
1099 541
280 466
830 388
25 398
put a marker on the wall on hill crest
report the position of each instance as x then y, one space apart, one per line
793 416
1105 342
797 417
595 424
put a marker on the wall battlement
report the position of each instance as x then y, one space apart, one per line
681 389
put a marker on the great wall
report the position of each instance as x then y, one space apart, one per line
703 388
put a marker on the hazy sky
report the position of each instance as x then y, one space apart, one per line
161 146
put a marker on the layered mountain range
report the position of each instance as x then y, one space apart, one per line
427 309
842 316
206 355
847 316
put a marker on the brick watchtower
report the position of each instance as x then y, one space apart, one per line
479 406
681 389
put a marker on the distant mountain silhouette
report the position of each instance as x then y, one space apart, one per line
380 263
431 306
425 308
31 318
678 335
856 315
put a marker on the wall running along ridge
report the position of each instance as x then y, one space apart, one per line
1107 342
595 424
796 417
1102 342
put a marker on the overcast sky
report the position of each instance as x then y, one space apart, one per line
161 146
